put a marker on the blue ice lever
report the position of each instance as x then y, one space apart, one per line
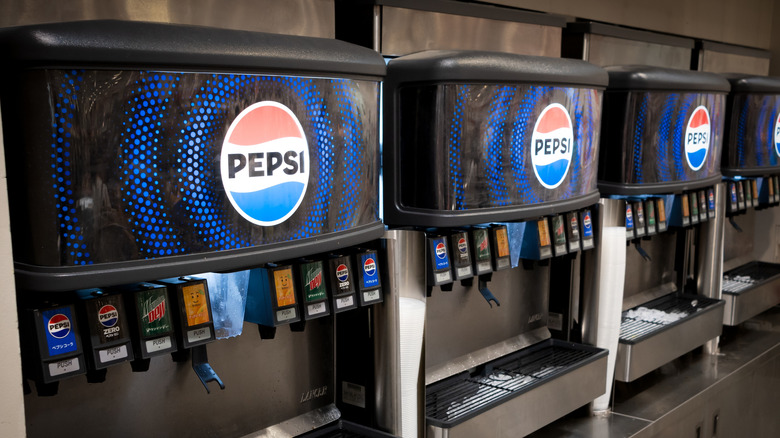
483 289
200 364
642 252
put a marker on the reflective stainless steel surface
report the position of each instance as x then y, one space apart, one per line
710 256
739 385
462 329
749 303
643 275
738 245
636 360
718 62
407 31
475 358
300 424
606 50
293 17
406 278
535 408
267 383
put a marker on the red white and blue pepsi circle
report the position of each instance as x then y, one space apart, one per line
108 316
264 163
59 326
697 138
342 272
441 250
369 267
462 245
552 145
777 135
587 230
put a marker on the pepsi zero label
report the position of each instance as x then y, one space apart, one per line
553 145
370 270
341 273
264 163
697 138
106 320
60 333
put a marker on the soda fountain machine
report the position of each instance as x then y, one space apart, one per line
660 157
147 154
751 169
489 172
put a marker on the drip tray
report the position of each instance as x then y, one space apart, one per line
345 429
749 290
664 329
518 393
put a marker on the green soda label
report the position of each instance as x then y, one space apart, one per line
482 244
313 286
153 312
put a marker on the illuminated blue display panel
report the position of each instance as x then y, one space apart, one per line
752 146
662 130
139 173
475 137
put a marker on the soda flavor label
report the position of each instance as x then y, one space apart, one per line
482 244
544 232
560 232
312 279
195 304
370 270
661 210
697 138
264 163
777 135
502 242
685 206
694 204
587 225
629 217
60 336
771 187
650 212
574 226
340 269
734 197
711 199
754 186
461 252
640 214
552 145
441 261
152 305
283 285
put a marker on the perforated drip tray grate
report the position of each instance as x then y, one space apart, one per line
346 429
749 276
466 395
649 319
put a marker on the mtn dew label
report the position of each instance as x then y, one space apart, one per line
482 244
153 312
313 284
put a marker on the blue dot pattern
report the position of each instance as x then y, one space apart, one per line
751 142
138 152
654 138
487 135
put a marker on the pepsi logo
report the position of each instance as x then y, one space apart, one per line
586 221
108 315
777 135
342 272
574 224
552 144
265 163
697 138
462 245
59 326
369 267
441 250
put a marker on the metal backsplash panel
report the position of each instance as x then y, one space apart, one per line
606 50
644 276
461 321
266 383
291 17
405 31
